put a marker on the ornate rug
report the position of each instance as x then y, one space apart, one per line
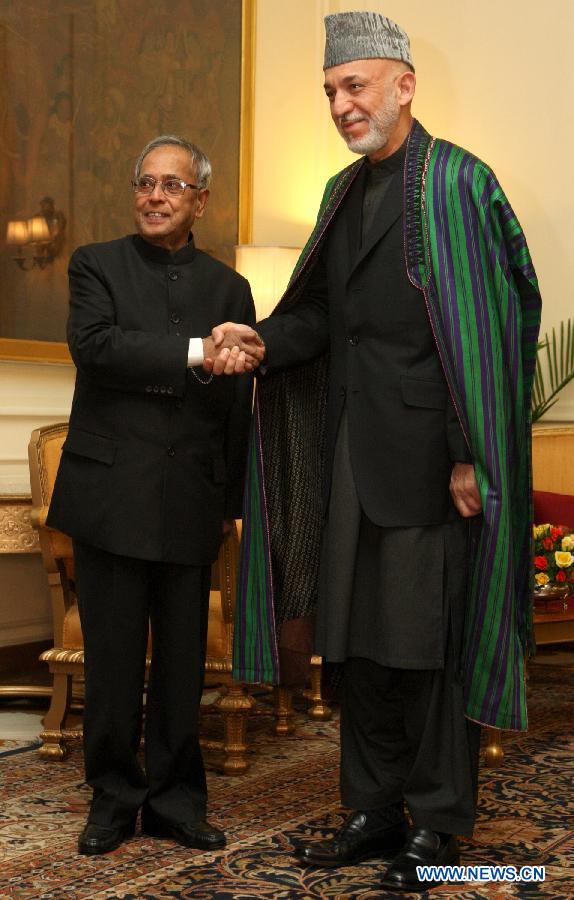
9 747
525 818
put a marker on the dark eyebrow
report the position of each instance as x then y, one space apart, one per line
348 79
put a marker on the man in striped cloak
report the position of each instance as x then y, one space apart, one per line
388 491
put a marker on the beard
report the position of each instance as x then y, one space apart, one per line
381 125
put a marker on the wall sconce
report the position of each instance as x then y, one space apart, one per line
268 270
44 233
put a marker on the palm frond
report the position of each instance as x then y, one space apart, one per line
558 370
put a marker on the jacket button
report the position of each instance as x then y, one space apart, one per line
169 389
162 389
175 318
156 388
353 340
170 451
174 276
149 388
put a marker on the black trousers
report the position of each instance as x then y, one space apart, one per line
118 597
404 736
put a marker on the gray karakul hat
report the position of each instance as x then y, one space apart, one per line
364 35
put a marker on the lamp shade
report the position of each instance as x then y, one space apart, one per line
268 270
17 232
38 229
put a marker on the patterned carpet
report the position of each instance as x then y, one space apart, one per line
9 747
525 818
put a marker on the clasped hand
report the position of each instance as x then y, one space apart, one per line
464 490
232 349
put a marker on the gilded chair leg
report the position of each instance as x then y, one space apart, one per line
318 708
493 752
54 746
283 711
235 705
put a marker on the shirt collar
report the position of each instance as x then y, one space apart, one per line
389 165
165 257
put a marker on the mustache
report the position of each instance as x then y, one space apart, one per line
348 118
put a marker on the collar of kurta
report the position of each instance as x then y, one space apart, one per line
165 257
390 164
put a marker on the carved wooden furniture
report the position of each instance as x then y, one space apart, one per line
17 538
318 709
553 458
66 658
553 474
553 478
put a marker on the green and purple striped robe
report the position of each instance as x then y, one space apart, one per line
466 252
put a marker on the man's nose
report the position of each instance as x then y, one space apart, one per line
157 193
341 105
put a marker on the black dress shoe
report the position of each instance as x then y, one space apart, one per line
354 841
423 848
102 838
198 835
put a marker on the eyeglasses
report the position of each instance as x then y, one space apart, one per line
173 187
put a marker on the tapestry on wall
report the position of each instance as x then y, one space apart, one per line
85 85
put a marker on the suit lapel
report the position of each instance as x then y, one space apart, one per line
391 209
353 217
346 229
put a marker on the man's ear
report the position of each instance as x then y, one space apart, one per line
202 199
406 84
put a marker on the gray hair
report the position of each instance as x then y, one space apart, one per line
201 164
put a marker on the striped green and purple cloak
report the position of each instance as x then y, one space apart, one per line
465 251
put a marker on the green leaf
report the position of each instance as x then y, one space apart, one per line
550 379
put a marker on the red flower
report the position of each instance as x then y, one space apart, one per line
540 562
548 543
555 533
561 575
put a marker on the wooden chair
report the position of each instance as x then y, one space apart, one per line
66 658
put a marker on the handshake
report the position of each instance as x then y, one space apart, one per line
232 349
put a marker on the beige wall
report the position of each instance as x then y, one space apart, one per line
494 76
31 395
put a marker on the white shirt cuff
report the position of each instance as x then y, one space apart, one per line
195 352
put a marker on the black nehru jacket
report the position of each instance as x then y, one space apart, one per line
154 459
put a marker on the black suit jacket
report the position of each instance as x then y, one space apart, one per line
154 460
384 365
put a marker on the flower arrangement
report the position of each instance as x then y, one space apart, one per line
553 556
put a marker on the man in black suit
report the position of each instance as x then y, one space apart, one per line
399 485
151 475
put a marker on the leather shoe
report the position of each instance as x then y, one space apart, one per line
354 841
199 835
96 839
423 848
